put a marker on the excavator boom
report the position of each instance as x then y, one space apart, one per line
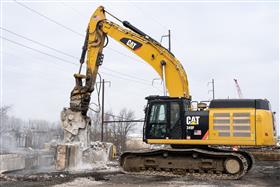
161 60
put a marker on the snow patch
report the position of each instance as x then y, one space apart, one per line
80 182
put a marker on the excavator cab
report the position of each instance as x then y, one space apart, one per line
174 121
164 117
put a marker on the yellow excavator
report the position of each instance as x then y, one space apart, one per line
192 132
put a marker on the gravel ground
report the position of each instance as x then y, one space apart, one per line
265 173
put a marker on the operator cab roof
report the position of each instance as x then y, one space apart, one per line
158 97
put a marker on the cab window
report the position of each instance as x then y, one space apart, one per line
157 121
174 114
158 113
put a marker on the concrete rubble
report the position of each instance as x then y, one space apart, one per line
77 151
72 156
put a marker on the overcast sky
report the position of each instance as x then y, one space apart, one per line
212 40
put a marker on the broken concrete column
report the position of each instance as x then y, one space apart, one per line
76 127
61 157
67 156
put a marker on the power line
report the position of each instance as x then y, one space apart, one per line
59 51
123 121
39 51
104 112
63 60
35 61
72 8
73 64
53 56
135 81
123 54
153 18
46 17
65 27
50 19
127 75
119 116
112 49
39 43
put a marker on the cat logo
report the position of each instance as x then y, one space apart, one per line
132 44
192 120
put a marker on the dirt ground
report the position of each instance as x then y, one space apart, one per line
265 173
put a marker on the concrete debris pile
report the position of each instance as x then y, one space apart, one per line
99 152
77 151
72 156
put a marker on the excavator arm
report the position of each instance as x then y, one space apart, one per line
163 61
93 46
75 121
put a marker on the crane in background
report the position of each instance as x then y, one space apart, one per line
240 95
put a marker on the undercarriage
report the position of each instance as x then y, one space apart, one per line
215 163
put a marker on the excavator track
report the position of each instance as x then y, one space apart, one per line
212 163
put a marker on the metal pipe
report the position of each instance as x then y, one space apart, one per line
163 63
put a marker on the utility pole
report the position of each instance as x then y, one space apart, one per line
102 107
213 88
102 110
169 39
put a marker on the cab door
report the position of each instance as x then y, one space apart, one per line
176 130
157 121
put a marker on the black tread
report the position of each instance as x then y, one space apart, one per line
243 157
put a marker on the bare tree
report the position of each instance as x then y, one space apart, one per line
116 132
15 132
121 130
4 111
95 126
4 118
